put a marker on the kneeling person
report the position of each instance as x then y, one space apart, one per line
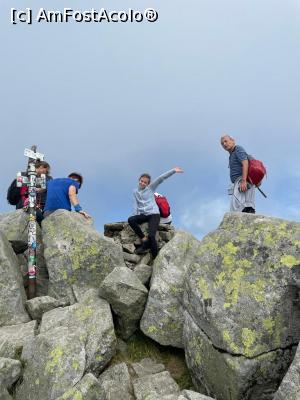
62 194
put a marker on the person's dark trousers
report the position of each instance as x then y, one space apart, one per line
249 210
153 222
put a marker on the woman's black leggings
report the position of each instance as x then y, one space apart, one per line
153 222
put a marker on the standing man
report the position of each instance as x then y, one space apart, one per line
62 194
243 193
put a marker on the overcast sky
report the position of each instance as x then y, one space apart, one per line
113 100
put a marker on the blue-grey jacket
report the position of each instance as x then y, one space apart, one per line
143 199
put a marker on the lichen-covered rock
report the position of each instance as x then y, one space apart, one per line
225 376
122 234
161 384
12 294
13 338
163 316
116 383
4 395
72 341
88 388
154 396
147 367
241 300
10 371
39 305
127 297
92 321
289 388
54 362
143 272
76 253
14 224
190 395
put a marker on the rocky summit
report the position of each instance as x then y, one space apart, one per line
229 302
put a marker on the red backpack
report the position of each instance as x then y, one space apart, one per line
256 172
163 205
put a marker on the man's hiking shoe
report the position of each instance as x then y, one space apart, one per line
141 250
137 244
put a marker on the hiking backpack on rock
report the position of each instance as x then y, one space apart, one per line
163 205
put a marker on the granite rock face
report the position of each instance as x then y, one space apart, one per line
116 383
72 342
76 254
241 306
12 293
10 371
163 316
127 297
88 388
14 337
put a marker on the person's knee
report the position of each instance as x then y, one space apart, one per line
130 220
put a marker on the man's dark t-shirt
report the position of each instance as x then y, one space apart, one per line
235 162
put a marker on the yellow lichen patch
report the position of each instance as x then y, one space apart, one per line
75 365
54 359
269 239
37 381
204 289
72 394
228 260
84 313
233 287
244 263
229 248
269 324
256 290
220 279
152 329
289 261
248 340
228 339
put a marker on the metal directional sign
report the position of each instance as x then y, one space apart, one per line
31 154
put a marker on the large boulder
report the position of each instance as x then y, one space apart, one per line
127 297
15 227
39 305
163 316
10 371
241 306
88 388
14 337
160 385
116 383
14 224
72 341
12 293
76 254
190 395
54 362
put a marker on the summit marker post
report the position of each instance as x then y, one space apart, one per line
30 180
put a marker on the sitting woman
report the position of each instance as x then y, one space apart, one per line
146 210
